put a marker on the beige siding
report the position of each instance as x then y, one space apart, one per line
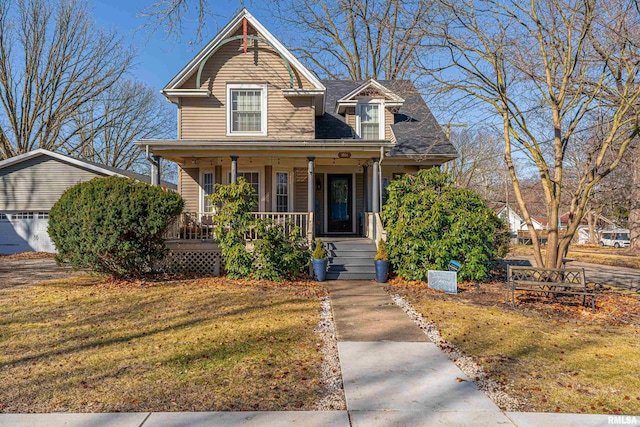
286 117
359 195
320 198
268 184
388 121
36 184
300 189
189 188
350 118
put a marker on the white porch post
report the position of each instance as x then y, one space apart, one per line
234 169
375 197
311 186
365 187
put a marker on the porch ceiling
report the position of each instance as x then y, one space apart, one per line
178 150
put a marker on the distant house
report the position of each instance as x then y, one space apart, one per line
30 184
517 225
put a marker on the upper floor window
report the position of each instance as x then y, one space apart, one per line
246 109
370 120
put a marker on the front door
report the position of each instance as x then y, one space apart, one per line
340 204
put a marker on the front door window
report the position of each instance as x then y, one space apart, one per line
340 204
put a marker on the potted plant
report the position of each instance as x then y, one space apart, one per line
382 262
319 260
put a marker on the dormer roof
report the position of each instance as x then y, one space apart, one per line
370 89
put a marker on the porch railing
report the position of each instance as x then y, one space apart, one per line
199 225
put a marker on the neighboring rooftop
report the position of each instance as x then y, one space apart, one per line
96 167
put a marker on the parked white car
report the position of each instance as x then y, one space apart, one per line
615 238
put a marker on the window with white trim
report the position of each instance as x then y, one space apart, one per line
369 121
3 217
246 112
282 191
22 215
252 178
43 215
207 190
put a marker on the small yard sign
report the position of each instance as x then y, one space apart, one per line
446 281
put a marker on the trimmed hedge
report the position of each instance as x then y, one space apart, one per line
429 222
113 225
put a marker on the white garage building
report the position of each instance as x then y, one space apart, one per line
30 184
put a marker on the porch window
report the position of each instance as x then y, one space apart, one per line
247 110
252 178
282 192
370 125
207 190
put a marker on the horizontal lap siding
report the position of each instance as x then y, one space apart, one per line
189 188
36 184
300 189
288 118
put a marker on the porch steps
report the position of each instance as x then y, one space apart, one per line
350 258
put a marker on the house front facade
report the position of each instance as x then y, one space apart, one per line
317 152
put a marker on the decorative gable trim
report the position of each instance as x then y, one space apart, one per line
391 98
225 33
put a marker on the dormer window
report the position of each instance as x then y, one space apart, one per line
246 109
370 120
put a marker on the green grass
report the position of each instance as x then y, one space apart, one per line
548 364
195 345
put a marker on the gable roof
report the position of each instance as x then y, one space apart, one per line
350 97
84 164
415 129
226 31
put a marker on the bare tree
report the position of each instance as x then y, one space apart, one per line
634 199
541 67
52 62
357 39
170 16
480 165
110 123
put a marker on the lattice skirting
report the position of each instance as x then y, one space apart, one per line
196 257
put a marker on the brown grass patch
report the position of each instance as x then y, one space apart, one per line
548 355
87 345
28 255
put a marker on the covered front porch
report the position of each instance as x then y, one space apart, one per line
331 189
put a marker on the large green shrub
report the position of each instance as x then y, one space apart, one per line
113 225
429 222
272 254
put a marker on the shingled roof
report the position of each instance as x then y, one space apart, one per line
416 130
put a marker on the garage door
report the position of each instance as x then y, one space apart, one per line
25 232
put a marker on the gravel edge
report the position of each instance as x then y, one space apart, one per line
333 398
466 364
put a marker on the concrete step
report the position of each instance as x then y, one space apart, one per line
352 252
346 261
351 247
350 276
339 268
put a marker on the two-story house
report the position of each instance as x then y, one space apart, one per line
319 152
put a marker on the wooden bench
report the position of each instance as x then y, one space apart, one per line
550 281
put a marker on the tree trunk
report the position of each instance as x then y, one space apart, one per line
634 196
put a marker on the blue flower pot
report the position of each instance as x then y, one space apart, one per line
320 269
382 271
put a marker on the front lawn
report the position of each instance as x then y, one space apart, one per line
82 345
551 356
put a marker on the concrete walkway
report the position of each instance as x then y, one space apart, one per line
392 373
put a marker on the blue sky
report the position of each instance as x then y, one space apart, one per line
159 58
